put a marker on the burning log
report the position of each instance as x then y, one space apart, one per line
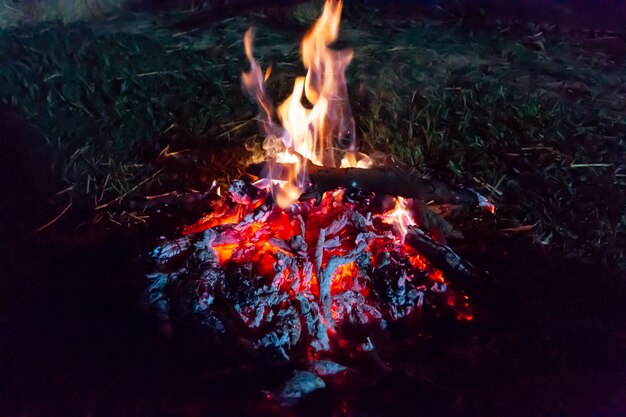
378 180
439 255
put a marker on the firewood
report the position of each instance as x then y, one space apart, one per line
440 256
435 223
380 180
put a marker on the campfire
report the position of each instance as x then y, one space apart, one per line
318 236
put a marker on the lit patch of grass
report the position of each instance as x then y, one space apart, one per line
541 132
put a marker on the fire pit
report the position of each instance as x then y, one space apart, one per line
318 237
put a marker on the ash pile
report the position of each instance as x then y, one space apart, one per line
292 279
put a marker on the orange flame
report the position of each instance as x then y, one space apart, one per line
400 216
315 131
312 132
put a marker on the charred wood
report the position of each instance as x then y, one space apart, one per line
440 256
380 180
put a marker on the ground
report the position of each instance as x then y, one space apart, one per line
534 116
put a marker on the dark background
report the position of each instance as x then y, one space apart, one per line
603 15
580 14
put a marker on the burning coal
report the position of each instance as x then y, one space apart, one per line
320 236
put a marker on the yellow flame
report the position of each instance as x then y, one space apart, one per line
400 216
356 160
312 131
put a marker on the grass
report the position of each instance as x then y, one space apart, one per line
534 117
13 12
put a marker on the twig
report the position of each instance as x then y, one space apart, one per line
51 222
119 198
589 165
523 228
489 187
547 148
70 188
165 72
237 127
104 187
141 219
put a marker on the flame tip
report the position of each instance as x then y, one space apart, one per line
307 133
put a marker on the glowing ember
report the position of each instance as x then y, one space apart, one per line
296 271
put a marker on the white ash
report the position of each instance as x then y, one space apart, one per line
324 367
300 384
285 308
